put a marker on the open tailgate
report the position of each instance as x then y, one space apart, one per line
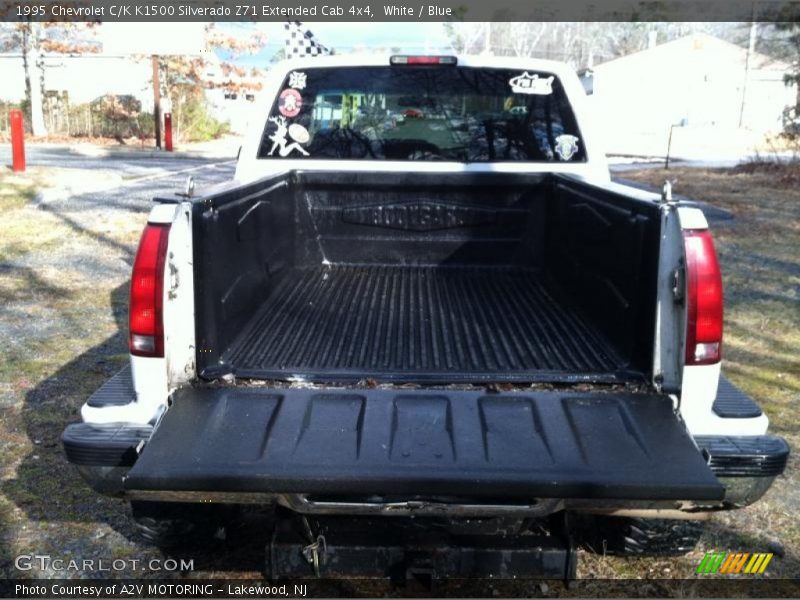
414 442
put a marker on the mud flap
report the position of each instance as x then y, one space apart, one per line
424 443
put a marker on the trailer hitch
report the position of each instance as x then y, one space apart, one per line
315 551
419 549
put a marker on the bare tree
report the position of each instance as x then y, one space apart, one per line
578 43
185 78
466 38
34 41
524 38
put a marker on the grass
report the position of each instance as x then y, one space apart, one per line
759 252
62 286
760 256
18 189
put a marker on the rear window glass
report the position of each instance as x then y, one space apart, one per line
422 113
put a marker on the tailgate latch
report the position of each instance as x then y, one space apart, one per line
678 285
173 277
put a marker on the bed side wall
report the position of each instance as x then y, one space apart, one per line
243 242
602 247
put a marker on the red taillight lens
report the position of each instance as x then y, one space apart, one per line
704 299
145 320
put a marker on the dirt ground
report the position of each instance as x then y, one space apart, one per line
63 293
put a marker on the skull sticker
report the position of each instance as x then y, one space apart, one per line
566 146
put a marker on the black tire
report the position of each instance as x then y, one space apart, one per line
629 536
171 524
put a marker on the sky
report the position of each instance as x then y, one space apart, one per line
349 36
410 37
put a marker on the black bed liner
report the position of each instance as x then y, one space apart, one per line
422 323
452 443
425 278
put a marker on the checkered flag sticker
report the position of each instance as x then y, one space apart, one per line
301 43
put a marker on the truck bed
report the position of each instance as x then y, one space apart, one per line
410 277
425 322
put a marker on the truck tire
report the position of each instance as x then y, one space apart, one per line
170 524
629 536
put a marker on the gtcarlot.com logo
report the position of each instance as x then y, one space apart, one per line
45 562
734 563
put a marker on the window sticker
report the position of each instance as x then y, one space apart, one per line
279 142
299 133
290 102
566 146
531 84
297 80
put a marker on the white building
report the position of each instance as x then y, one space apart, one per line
86 77
702 82
83 77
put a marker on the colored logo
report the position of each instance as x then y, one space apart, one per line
734 563
290 102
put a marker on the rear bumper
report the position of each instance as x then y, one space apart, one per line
744 456
400 444
105 444
746 467
371 451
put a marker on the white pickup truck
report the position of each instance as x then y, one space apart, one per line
425 329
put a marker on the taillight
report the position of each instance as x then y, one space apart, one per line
704 299
401 59
145 318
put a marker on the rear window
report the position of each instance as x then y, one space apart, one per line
422 113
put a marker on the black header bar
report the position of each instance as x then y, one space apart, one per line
398 10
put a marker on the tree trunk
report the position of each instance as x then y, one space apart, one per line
797 98
34 76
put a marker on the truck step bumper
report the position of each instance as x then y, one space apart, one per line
746 465
744 455
104 453
733 403
104 444
468 444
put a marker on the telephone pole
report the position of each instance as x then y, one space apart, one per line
157 101
750 50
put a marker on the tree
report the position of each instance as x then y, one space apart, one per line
466 37
781 41
34 40
525 37
186 78
577 43
790 34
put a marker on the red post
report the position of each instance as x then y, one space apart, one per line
168 132
17 140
